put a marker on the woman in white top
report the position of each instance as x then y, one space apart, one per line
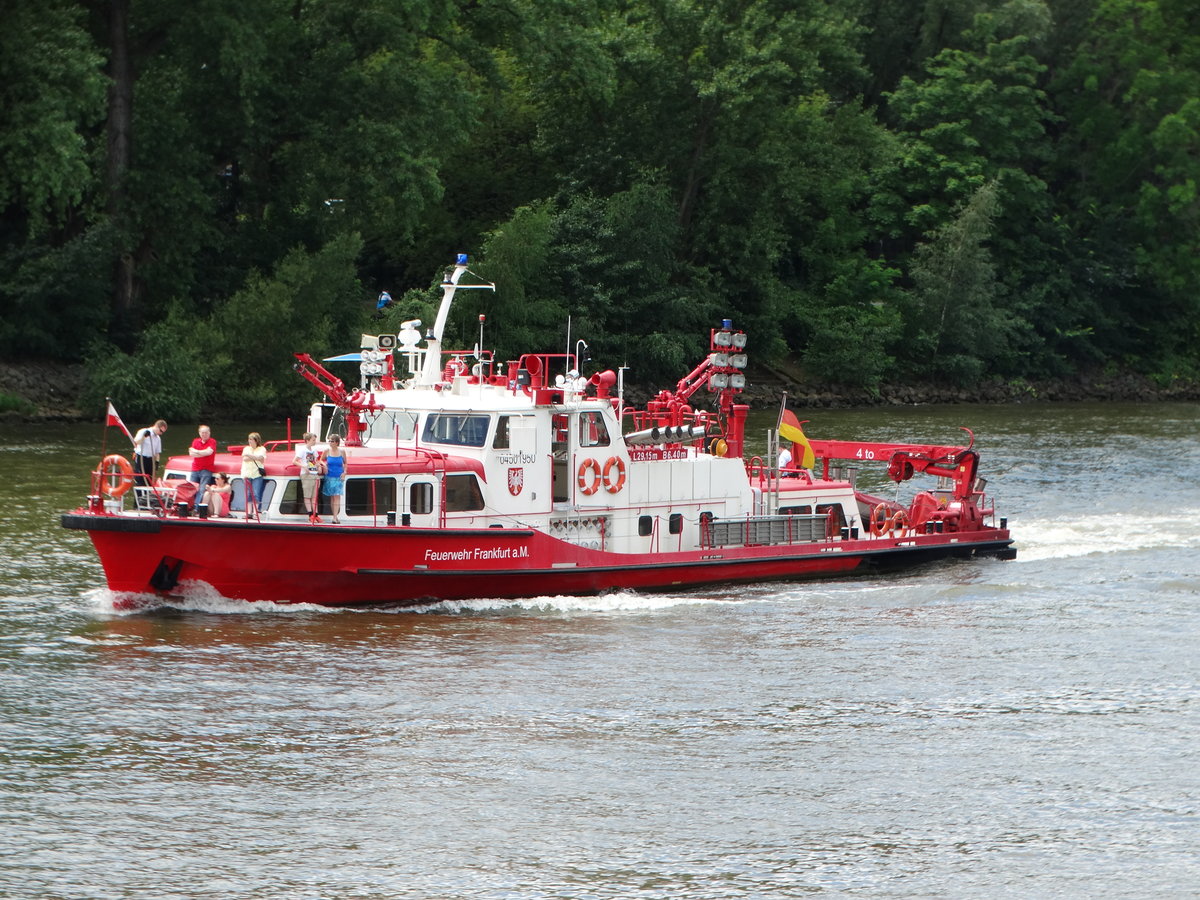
254 468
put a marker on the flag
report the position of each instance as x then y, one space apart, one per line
114 419
789 430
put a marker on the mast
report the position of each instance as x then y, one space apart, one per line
431 372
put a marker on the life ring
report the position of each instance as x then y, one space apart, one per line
123 473
588 485
880 520
899 523
614 462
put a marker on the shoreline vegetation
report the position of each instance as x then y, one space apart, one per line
49 392
890 198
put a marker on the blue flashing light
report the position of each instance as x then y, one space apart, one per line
462 259
727 324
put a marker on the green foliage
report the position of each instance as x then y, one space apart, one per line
851 327
240 357
52 92
311 303
610 265
1129 168
54 299
516 257
18 405
917 188
955 325
165 378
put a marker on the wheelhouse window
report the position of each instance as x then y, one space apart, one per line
593 432
460 429
463 493
500 441
393 425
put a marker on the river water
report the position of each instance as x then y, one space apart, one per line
972 729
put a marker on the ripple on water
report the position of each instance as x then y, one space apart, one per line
973 729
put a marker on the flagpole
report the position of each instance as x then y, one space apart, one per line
104 437
779 422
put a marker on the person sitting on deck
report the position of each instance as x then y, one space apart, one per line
218 496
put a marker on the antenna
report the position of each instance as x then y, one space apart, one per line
568 348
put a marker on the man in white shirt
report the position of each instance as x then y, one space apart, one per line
147 448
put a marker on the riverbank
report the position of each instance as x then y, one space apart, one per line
44 392
51 392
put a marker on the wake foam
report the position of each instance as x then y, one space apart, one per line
1087 534
617 602
194 596
191 596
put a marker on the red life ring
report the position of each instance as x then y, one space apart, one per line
899 522
880 520
614 462
116 467
589 485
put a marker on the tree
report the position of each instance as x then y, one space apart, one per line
955 327
975 147
1129 162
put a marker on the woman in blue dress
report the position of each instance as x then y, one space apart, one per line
334 483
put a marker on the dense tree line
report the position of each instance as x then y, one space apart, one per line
881 190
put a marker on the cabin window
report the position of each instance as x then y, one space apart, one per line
796 510
420 499
238 503
462 429
370 496
392 426
675 524
839 518
593 432
463 494
645 525
292 503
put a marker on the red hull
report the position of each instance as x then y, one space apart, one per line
353 566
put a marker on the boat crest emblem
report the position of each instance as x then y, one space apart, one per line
516 480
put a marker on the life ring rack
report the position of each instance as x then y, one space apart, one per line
116 475
614 487
588 477
885 521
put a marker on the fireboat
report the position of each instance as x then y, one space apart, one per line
467 479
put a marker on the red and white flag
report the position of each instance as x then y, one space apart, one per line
114 419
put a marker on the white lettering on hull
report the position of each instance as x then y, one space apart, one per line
468 554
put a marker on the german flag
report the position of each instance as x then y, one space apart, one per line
789 430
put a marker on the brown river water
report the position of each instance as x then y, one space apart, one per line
971 729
